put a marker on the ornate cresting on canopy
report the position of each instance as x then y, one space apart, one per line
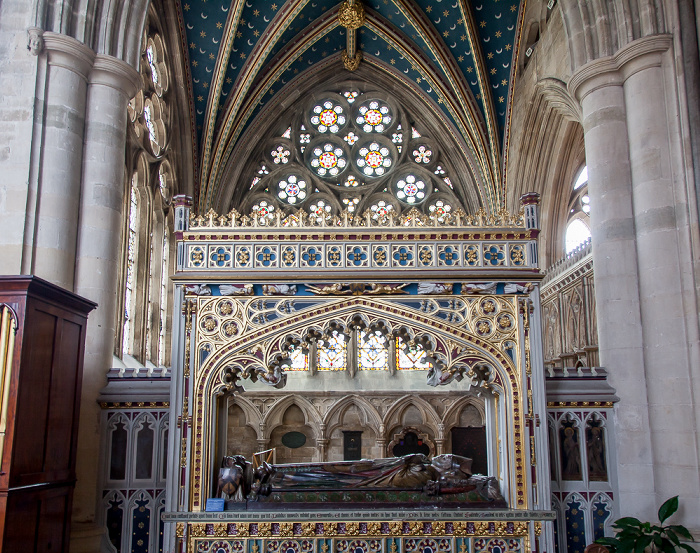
256 291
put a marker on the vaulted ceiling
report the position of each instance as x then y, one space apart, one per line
244 54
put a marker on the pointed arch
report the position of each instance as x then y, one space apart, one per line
394 414
365 407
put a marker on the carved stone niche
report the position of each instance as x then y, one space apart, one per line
422 438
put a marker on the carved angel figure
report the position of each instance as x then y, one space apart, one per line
485 288
434 288
236 289
279 289
198 289
386 289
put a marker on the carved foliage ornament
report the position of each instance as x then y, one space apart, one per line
351 14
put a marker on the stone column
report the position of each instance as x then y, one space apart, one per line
54 228
643 257
111 84
662 216
598 87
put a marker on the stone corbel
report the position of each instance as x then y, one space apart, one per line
35 40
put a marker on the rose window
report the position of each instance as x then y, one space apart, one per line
440 209
345 150
320 210
328 159
422 154
263 210
381 210
374 116
374 159
328 116
411 189
280 155
292 189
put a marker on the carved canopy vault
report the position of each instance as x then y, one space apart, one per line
257 301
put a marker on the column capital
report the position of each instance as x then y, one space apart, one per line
614 70
69 53
115 73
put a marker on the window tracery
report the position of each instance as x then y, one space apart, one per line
142 319
373 350
578 225
349 150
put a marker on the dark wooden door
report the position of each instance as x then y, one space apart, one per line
471 442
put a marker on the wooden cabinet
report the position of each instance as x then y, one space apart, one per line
42 341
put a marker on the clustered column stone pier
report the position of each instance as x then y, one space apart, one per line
73 233
647 329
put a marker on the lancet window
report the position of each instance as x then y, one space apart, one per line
578 228
142 324
350 149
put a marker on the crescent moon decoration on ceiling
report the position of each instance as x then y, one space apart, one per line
461 55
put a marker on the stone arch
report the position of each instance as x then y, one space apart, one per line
414 101
373 416
254 418
278 425
394 417
550 149
451 416
371 425
224 369
274 417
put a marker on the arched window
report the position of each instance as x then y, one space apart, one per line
147 260
350 149
578 230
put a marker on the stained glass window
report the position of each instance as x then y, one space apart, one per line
333 353
130 271
411 358
411 189
578 227
374 116
440 209
373 353
163 299
328 159
346 139
374 159
300 361
292 189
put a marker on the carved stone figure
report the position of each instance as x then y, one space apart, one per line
386 289
434 288
486 288
513 288
236 289
491 288
328 289
198 290
279 289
